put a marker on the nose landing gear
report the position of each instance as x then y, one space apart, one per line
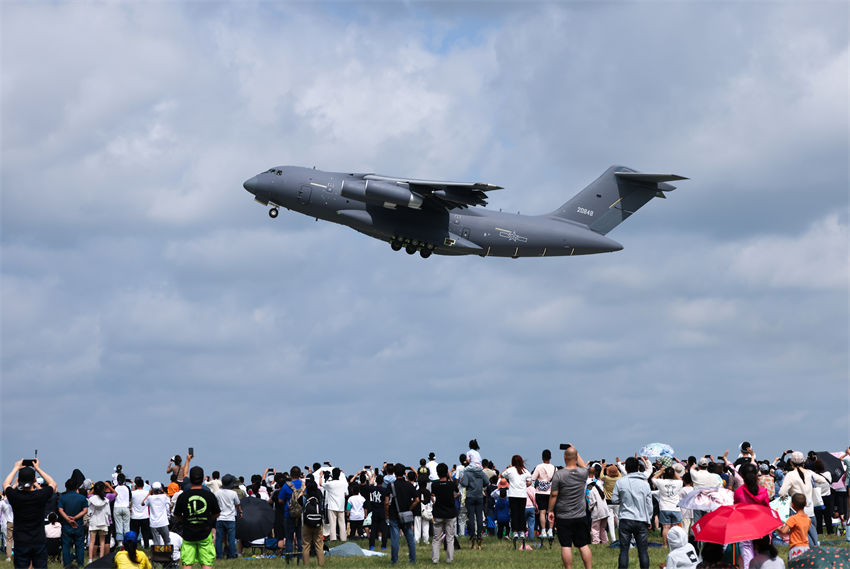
273 212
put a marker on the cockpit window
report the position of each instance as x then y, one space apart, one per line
276 171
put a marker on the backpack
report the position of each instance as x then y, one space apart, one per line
295 500
312 513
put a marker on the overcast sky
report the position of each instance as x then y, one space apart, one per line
148 304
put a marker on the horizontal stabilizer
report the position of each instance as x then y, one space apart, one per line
651 178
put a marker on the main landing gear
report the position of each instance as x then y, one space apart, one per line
412 246
273 212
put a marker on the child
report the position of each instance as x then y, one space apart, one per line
503 512
490 505
682 554
130 557
797 527
53 533
768 557
356 511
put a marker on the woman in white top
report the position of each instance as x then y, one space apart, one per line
542 478
799 481
669 488
99 521
823 494
122 509
519 478
158 505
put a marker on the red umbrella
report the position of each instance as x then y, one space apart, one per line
740 522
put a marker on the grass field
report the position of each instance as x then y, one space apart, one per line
495 554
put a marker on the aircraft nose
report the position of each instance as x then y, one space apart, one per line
252 185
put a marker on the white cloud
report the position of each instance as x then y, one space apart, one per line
134 263
818 259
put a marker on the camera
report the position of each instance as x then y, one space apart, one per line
565 446
28 462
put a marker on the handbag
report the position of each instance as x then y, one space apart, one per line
405 517
428 512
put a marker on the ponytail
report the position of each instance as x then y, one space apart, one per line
750 475
132 554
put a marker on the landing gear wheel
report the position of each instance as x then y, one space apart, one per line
396 246
273 212
425 253
410 248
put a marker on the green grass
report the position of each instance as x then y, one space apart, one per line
496 554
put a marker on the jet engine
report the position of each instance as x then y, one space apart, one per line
383 193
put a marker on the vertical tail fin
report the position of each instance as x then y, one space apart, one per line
619 192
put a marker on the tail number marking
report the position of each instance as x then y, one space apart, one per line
585 211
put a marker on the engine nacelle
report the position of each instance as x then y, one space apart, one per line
383 193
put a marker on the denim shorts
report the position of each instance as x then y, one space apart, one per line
669 518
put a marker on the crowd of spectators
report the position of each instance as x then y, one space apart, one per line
580 503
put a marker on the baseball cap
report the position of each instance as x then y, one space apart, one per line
131 536
764 468
679 468
157 485
26 477
796 458
702 461
87 484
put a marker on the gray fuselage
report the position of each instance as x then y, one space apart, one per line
435 228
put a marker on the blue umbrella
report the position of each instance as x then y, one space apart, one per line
657 450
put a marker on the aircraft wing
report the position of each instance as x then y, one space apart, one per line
448 194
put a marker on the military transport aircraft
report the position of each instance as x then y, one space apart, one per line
442 217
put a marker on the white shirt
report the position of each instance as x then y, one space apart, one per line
543 473
176 540
174 500
158 504
517 481
705 479
432 470
357 513
762 561
227 501
139 511
335 494
668 494
474 457
122 497
6 513
682 558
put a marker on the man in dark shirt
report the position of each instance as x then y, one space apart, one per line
444 492
72 508
28 500
568 508
197 508
401 497
375 506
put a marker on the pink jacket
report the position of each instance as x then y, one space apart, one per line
743 496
